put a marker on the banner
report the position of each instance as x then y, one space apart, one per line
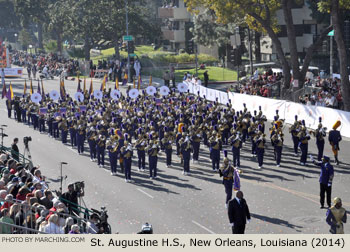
286 109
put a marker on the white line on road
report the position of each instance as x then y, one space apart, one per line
201 226
145 193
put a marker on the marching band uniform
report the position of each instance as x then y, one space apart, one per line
91 136
260 147
72 133
336 217
127 153
167 143
112 148
294 130
80 138
141 154
196 142
320 134
152 151
304 137
334 138
215 147
236 142
185 150
277 140
100 149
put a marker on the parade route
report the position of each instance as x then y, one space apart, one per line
281 199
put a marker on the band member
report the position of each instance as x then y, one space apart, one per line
336 217
294 130
152 151
92 137
196 141
127 153
260 147
320 134
112 147
80 138
185 150
100 149
252 132
277 140
215 147
230 177
62 125
140 145
167 143
334 138
236 142
72 132
326 179
304 138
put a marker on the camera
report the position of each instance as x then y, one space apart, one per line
146 229
78 186
26 140
102 220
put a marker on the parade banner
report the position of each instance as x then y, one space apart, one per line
43 111
82 108
63 111
286 109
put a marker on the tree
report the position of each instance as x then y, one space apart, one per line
33 11
8 15
337 8
261 16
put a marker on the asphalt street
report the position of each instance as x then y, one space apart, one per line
281 199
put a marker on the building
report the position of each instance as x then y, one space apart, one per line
176 24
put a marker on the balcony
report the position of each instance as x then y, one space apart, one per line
174 35
174 13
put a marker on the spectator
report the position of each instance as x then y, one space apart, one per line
6 229
74 229
52 227
206 78
47 199
166 78
91 225
69 223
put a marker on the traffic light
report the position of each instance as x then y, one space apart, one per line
234 56
190 47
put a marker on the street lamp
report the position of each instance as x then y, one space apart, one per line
30 48
61 177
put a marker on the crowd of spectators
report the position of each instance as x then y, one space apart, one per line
323 92
49 64
26 201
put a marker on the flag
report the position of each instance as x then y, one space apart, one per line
9 94
125 81
103 84
84 85
42 89
79 88
139 82
236 181
39 89
117 83
4 92
31 88
62 90
25 87
150 80
91 90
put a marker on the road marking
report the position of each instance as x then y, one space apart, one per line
73 150
201 226
145 193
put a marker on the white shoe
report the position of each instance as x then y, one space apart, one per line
100 166
253 155
183 172
112 174
278 165
259 167
126 181
129 180
226 205
295 154
91 160
150 177
139 169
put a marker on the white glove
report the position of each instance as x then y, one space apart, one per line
231 224
329 184
248 221
170 142
311 157
142 144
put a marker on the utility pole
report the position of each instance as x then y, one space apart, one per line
331 54
250 53
127 34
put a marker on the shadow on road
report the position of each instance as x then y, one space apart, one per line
276 221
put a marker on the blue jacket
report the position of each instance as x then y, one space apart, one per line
327 173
